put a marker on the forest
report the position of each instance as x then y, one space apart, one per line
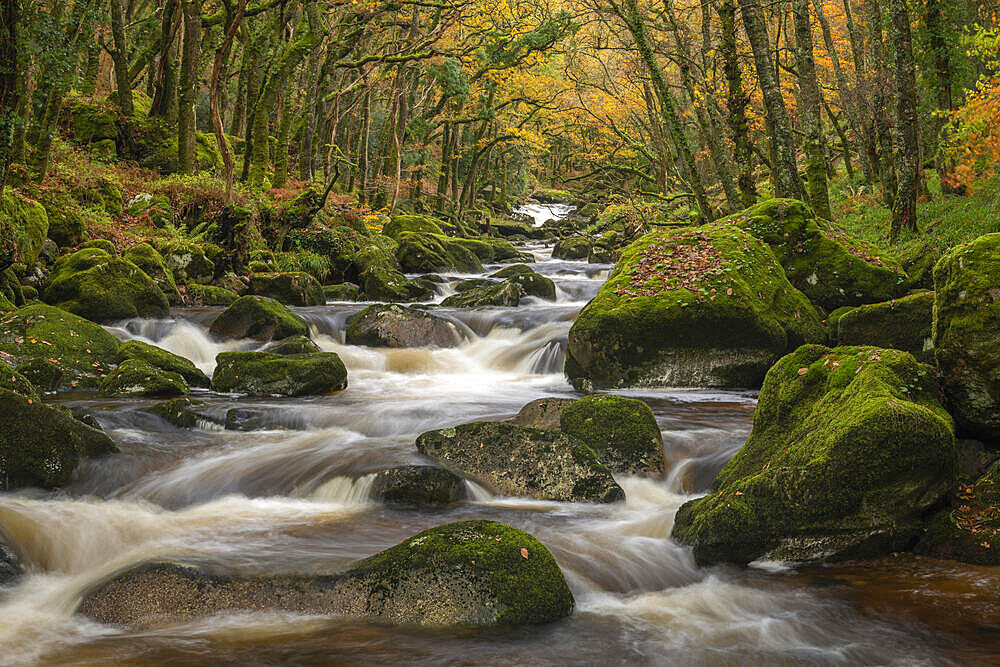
499 331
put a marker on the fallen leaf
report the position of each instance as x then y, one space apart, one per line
524 553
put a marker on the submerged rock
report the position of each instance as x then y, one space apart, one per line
621 431
967 333
696 307
42 446
398 326
258 317
263 374
418 486
901 324
850 447
519 461
164 360
135 377
293 288
464 574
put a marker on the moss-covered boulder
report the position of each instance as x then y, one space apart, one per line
967 333
828 265
572 248
164 360
900 324
421 253
381 279
154 210
968 530
542 413
210 295
153 265
341 292
183 412
89 122
532 283
11 290
258 317
495 251
100 244
264 374
78 351
292 345
393 325
187 261
850 447
399 224
417 486
473 283
42 446
695 307
135 377
460 575
507 293
11 380
621 431
24 226
602 254
66 218
93 284
294 288
518 461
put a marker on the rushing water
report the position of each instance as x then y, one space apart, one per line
542 213
294 498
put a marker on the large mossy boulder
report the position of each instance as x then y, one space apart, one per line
258 317
532 283
967 333
135 377
576 248
72 352
187 261
850 448
93 284
41 446
696 307
380 277
518 461
505 294
341 292
211 295
900 324
423 253
828 265
417 486
393 325
153 265
400 224
265 374
621 431
164 360
294 288
24 226
460 575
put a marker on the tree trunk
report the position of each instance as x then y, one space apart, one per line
10 91
165 87
215 81
880 100
736 102
811 111
904 210
120 57
784 170
186 160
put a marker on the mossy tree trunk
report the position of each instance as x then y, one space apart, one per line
880 86
186 127
215 82
904 210
10 91
165 87
289 99
736 102
784 170
120 57
811 110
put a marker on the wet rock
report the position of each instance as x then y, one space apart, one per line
542 413
182 412
260 318
532 284
10 565
41 446
465 574
93 284
507 293
252 419
828 265
572 248
601 254
341 292
259 373
421 253
621 431
418 486
696 307
473 283
71 352
135 377
398 326
292 345
850 447
519 461
380 276
166 361
967 333
901 324
210 295
291 288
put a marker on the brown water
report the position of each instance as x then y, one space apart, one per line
294 499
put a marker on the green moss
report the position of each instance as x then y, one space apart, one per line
166 361
412 223
24 226
44 375
553 196
850 446
531 283
966 331
152 264
155 210
380 277
292 345
422 253
901 324
182 412
66 221
968 530
530 589
706 306
187 261
621 431
828 265
92 284
210 295
82 350
258 317
101 244
341 292
508 293
42 446
135 377
89 122
12 380
572 248
10 288
292 288
260 373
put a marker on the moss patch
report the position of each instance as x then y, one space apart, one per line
901 324
260 373
621 431
260 318
166 361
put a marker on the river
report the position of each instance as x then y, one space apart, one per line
294 498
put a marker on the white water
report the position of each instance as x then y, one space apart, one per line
542 213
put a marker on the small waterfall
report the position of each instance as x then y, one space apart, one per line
542 213
345 490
